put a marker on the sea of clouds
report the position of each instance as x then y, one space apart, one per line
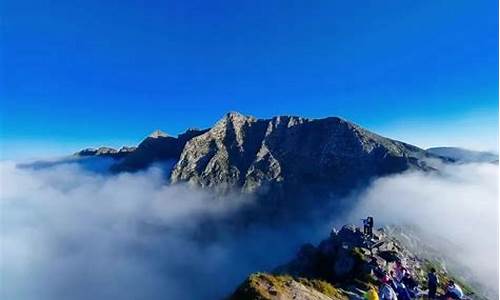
70 232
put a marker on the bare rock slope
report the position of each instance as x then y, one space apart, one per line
250 154
282 156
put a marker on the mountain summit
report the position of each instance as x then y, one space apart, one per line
287 151
158 134
284 156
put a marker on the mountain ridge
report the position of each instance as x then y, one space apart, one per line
462 155
282 156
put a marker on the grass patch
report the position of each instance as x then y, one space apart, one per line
263 286
324 288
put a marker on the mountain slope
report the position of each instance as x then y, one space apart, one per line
250 154
464 155
262 286
106 152
285 157
157 147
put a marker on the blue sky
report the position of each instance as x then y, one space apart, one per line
86 73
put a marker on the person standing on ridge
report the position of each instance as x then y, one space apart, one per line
370 226
365 226
432 283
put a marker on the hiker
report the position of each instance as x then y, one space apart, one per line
392 280
385 291
399 270
402 291
371 294
410 284
432 283
370 226
375 267
365 226
453 291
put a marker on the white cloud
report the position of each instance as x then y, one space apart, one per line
67 233
459 204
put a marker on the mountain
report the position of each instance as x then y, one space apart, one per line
464 155
106 152
158 146
285 152
283 158
345 266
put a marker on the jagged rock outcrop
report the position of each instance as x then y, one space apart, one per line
286 152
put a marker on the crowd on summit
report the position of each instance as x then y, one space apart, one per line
399 282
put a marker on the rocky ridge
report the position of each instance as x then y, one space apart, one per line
248 153
461 155
106 152
344 266
282 157
157 147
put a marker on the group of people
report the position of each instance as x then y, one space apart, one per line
399 284
452 291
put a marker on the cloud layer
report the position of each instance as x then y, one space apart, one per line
70 233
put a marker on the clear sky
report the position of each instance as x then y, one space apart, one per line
86 73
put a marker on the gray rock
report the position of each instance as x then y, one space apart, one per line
286 152
344 264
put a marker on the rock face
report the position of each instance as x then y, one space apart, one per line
281 157
285 152
285 159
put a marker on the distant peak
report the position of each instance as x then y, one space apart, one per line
157 134
234 114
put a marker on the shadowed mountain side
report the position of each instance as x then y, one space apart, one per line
461 155
156 147
106 152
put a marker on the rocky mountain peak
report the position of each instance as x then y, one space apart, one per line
281 155
158 134
246 153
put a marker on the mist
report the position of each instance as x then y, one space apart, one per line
70 231
455 211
